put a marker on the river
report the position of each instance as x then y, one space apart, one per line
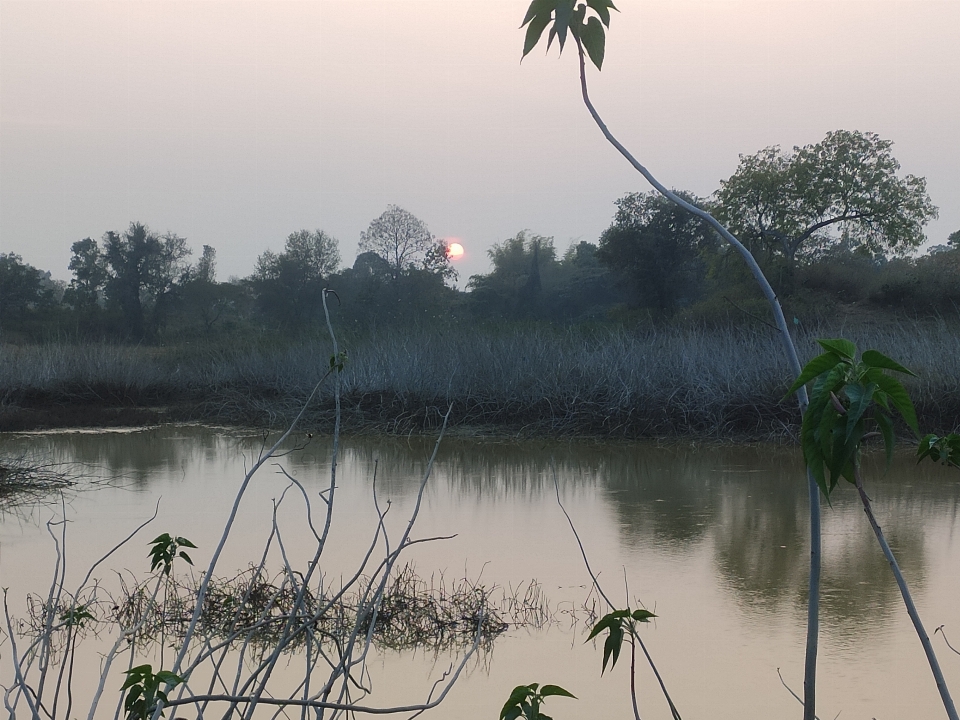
713 539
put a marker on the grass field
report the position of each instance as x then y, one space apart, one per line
518 380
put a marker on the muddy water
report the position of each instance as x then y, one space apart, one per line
712 539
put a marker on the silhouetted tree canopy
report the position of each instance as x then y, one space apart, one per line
656 249
289 284
400 238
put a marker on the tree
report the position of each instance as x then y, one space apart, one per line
655 247
521 265
144 272
89 275
844 187
400 238
436 260
585 287
21 288
206 268
289 285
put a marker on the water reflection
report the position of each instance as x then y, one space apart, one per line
746 506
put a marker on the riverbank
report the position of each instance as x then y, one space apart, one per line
522 382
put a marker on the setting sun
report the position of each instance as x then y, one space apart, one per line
454 250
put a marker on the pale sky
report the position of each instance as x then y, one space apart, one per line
234 124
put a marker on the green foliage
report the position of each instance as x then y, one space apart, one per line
165 548
569 17
143 688
338 361
525 701
944 450
76 616
846 395
843 188
614 623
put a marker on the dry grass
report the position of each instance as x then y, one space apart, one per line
515 380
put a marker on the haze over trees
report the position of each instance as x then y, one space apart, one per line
832 224
658 251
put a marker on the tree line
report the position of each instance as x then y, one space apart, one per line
831 223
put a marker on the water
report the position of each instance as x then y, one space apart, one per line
713 539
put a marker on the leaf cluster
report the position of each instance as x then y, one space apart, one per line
76 616
847 397
944 450
143 686
569 17
615 623
165 548
525 701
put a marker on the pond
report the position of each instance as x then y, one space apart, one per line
713 539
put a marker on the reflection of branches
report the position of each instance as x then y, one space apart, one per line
634 635
23 480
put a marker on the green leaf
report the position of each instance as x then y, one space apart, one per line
819 365
532 37
901 400
548 690
860 400
611 647
879 360
538 7
602 8
593 39
562 19
642 615
843 348
885 426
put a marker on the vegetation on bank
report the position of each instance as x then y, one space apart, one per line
522 379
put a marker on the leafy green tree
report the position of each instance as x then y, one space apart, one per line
845 187
656 249
400 238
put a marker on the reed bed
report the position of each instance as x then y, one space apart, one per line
252 608
532 380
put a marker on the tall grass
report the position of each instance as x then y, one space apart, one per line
513 380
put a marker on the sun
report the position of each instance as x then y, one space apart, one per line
454 250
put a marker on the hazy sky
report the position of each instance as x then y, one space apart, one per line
236 123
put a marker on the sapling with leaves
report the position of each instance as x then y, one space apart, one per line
587 22
852 400
525 701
